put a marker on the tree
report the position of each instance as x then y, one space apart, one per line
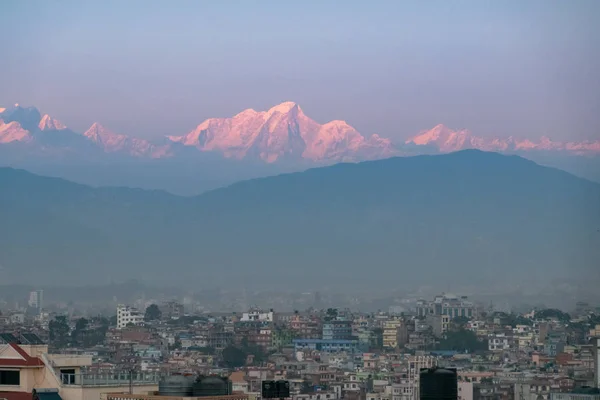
458 323
80 326
462 340
59 331
331 314
234 357
152 313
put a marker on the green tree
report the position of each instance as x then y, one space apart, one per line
77 334
331 314
462 340
152 313
553 313
234 357
59 331
458 323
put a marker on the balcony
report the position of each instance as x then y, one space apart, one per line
110 379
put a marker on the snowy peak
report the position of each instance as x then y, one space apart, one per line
13 132
447 140
282 132
284 108
112 142
27 117
48 123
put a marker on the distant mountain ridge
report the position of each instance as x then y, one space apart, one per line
448 140
399 221
282 133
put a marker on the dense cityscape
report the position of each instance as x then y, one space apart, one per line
147 349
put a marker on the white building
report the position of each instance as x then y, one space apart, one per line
498 342
415 364
257 315
128 315
596 342
36 298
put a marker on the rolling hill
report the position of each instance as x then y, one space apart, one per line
463 217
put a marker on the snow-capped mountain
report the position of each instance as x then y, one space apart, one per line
448 140
47 123
284 131
13 132
112 142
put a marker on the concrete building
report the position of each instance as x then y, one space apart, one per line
26 365
415 364
337 330
36 299
327 346
447 304
439 323
390 333
596 342
128 315
256 316
465 390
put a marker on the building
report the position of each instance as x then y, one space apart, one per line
415 365
578 395
327 346
439 323
447 304
596 343
171 310
25 365
257 316
337 330
390 333
128 315
36 299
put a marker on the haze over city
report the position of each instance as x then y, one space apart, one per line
310 200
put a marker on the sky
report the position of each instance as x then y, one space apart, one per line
150 68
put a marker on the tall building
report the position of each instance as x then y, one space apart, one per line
128 315
390 333
596 342
415 364
36 299
337 330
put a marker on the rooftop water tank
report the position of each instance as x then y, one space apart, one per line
438 384
212 386
176 385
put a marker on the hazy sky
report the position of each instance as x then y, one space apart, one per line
148 68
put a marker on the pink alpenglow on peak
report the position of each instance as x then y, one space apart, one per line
112 142
13 132
447 140
48 123
281 132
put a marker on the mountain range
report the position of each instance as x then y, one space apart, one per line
220 151
283 132
467 216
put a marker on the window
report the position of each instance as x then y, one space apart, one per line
12 378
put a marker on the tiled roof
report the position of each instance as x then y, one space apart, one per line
25 361
15 395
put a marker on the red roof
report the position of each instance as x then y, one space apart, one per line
26 361
15 395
